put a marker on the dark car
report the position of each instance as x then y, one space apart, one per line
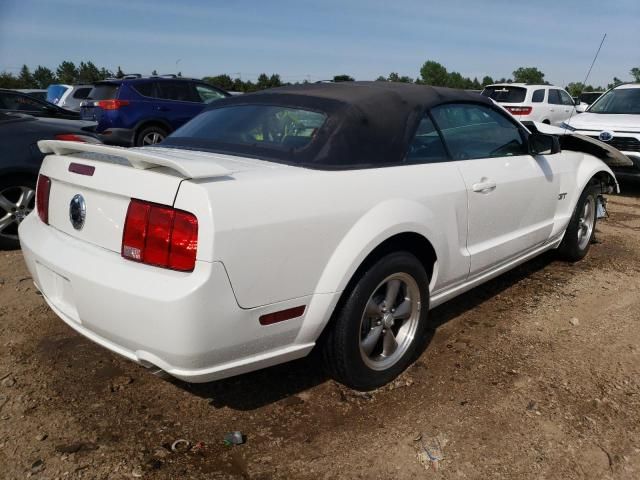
20 161
12 101
144 110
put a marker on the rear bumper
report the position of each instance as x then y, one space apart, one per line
123 137
187 324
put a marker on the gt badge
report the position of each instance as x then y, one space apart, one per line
77 211
562 196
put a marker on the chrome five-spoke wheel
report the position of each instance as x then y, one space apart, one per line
586 221
389 321
381 325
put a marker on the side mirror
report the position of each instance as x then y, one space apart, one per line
581 107
543 144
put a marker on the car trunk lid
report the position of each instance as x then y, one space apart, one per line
104 179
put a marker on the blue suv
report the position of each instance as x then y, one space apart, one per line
137 111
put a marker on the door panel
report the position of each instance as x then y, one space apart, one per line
512 202
512 196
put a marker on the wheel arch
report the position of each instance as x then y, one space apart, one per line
410 241
370 239
594 173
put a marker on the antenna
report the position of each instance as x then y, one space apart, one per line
584 83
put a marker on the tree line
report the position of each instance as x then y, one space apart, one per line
431 73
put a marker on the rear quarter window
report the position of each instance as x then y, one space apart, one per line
505 94
538 96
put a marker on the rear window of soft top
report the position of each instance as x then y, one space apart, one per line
505 94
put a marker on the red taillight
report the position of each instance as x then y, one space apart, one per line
519 110
160 235
70 137
42 197
111 104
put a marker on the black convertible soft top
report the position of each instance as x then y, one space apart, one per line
368 123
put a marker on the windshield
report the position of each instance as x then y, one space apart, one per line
245 129
505 94
618 101
55 92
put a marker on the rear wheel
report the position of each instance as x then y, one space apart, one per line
150 136
382 326
17 200
582 226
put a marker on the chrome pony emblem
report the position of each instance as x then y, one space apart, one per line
605 136
77 211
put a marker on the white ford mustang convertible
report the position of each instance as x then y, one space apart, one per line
333 215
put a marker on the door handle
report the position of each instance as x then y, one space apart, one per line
484 187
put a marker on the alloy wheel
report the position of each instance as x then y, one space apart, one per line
389 321
16 202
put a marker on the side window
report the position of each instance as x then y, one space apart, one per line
207 94
427 146
477 131
22 103
538 96
145 89
180 91
81 93
554 97
566 98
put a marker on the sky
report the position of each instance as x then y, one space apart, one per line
317 39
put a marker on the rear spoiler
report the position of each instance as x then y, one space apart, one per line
189 167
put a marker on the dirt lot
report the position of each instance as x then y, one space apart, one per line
533 375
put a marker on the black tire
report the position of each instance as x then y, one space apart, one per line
12 211
574 246
547 122
150 131
342 353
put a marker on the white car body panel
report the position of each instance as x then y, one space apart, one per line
273 237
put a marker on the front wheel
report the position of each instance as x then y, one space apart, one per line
382 325
582 226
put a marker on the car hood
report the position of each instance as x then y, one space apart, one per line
604 121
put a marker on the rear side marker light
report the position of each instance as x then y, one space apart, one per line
282 315
160 235
73 137
82 169
43 188
520 110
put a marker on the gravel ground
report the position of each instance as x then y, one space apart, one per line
533 375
